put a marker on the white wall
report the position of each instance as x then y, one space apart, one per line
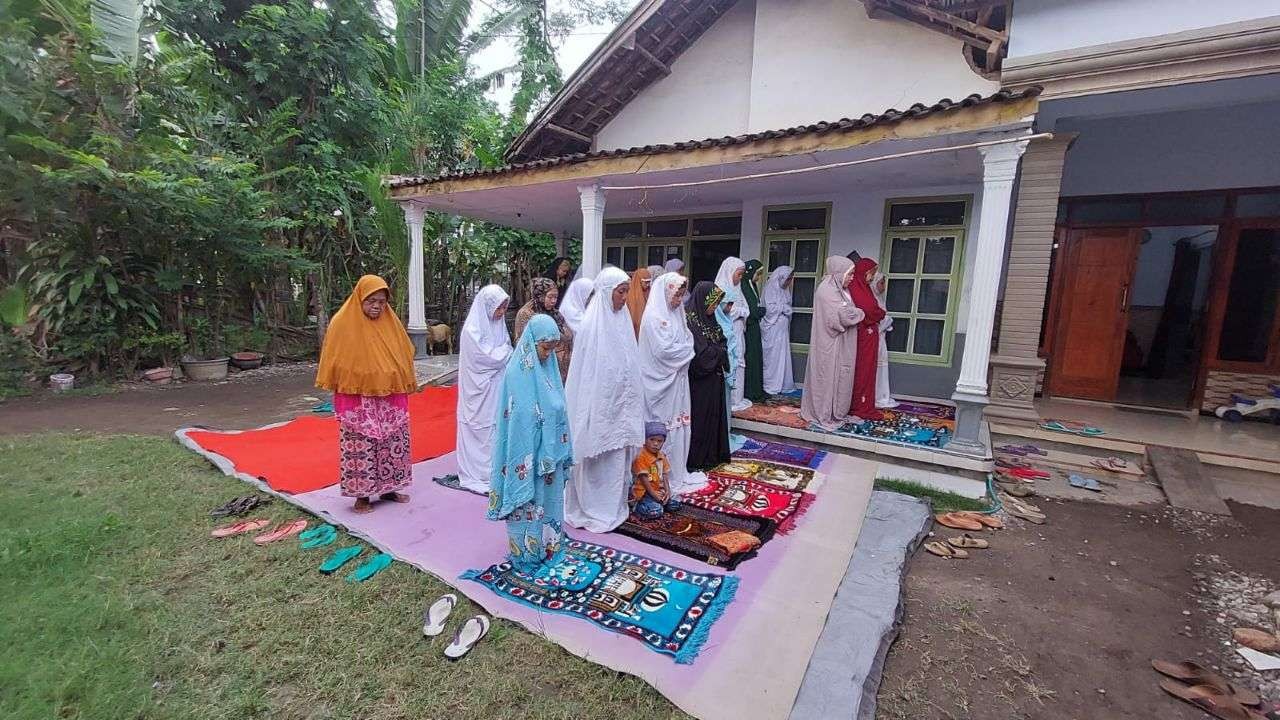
1228 147
706 95
773 64
1044 26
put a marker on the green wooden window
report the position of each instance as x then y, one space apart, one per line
632 244
923 256
797 236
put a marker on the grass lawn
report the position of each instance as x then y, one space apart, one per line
941 500
115 603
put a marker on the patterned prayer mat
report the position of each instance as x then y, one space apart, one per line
668 609
752 499
454 483
783 476
714 538
900 425
784 415
781 453
926 409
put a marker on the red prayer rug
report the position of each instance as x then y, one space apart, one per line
783 476
737 496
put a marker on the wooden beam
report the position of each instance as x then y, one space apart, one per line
566 132
662 67
948 19
967 39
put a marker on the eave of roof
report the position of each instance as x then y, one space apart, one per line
846 125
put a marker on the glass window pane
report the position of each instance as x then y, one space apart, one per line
613 256
674 251
1260 205
1251 297
903 253
779 254
926 214
933 297
656 255
806 256
937 255
896 338
801 325
717 226
630 258
928 337
666 228
799 219
620 231
1186 208
802 292
1098 211
901 292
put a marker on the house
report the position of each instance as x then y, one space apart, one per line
957 141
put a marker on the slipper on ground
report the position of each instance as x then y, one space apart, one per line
1255 639
240 528
1211 700
957 521
322 540
1195 674
434 619
316 531
984 519
471 632
1023 513
281 531
943 550
339 558
371 567
1084 483
968 541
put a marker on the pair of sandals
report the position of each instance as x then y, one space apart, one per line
318 537
279 532
239 506
471 632
1021 509
366 570
957 548
968 520
1207 690
1021 450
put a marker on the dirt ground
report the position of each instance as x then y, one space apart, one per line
1055 621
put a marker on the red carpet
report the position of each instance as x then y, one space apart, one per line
302 454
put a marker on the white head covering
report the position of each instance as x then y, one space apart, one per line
655 271
574 305
606 411
776 294
674 265
484 346
666 345
733 291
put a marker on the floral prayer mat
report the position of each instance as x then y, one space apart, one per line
787 478
784 415
669 609
781 453
926 410
901 425
752 499
714 538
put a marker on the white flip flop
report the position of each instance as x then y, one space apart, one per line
470 633
436 615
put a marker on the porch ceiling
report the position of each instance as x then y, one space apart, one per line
553 206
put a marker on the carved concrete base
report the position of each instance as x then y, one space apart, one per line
419 340
1013 387
968 437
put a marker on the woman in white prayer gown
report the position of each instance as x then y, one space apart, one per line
573 306
775 332
729 280
484 347
884 399
606 408
666 349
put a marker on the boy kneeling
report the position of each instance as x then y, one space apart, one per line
651 476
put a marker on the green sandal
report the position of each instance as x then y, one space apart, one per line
322 540
339 558
371 567
316 531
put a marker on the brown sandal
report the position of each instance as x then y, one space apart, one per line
990 521
1194 674
957 521
968 541
1211 700
945 551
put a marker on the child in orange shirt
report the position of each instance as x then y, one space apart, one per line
651 473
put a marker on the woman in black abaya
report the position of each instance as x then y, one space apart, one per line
708 415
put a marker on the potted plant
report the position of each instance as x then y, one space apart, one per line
207 360
251 340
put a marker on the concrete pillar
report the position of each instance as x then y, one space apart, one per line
1016 366
414 215
592 198
999 167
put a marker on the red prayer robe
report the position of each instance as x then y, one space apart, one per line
864 369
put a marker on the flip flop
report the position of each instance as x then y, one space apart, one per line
433 620
1255 639
320 541
1023 505
968 541
239 506
1026 472
239 528
1195 674
1025 514
1110 464
339 558
281 531
371 567
1005 475
985 520
1084 483
468 635
943 550
957 521
1019 490
316 531
1211 700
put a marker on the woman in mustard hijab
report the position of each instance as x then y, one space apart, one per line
367 361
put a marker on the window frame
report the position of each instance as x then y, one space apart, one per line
644 242
768 236
955 277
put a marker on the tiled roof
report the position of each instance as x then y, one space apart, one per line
885 118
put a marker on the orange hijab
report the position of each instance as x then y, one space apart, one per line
637 296
363 356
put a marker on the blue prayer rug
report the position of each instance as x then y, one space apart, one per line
669 609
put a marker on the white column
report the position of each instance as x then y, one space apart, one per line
592 229
414 215
999 166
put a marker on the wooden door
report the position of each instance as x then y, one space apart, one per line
1093 313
